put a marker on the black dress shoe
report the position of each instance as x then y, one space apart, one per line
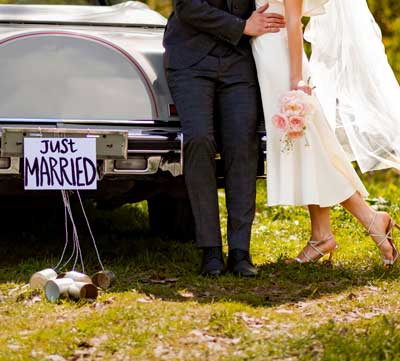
213 261
239 263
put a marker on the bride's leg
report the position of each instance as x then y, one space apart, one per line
322 240
377 223
320 222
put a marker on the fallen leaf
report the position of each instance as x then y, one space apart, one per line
160 280
18 288
54 358
25 332
109 300
351 296
282 310
84 344
144 300
369 315
186 294
97 341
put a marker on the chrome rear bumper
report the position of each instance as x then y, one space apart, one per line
139 152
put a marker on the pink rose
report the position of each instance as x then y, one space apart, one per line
285 98
294 107
280 121
297 123
294 134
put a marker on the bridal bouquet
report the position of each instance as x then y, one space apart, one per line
296 111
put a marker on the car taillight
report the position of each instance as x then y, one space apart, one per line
173 112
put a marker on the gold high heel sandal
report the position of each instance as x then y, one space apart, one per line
315 245
386 237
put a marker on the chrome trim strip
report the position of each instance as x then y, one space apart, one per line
109 121
150 151
28 120
80 23
77 121
39 131
146 137
182 153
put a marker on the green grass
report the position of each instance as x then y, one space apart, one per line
161 309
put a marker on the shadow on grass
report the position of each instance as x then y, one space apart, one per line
276 284
31 241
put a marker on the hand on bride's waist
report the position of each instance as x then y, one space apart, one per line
260 22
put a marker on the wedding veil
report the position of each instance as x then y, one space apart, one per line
355 83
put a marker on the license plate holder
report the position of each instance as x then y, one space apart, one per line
110 144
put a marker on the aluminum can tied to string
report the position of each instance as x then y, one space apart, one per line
39 279
104 279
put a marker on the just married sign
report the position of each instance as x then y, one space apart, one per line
60 163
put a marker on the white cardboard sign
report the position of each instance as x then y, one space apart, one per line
60 163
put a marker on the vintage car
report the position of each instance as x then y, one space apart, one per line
97 71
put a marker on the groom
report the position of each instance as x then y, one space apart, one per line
210 70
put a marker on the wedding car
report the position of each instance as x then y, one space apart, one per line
95 71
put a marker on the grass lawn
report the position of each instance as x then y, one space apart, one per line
161 309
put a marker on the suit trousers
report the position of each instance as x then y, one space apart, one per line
221 91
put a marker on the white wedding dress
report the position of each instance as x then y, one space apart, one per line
319 174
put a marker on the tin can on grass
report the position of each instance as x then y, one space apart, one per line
80 290
39 279
54 289
104 279
76 276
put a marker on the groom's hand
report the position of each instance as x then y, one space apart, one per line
260 23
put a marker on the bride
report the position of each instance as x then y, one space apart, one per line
315 170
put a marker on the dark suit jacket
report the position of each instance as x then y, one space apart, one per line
196 26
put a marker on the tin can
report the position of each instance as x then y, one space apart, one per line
76 276
104 279
39 279
79 290
54 289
